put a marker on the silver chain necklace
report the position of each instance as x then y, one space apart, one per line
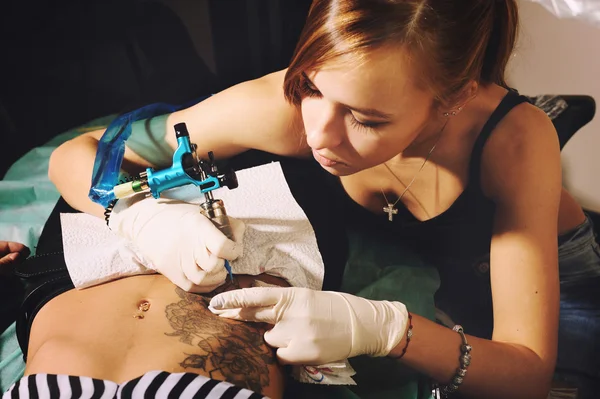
391 209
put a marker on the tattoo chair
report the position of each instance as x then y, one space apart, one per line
579 112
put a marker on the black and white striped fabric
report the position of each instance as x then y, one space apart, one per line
154 384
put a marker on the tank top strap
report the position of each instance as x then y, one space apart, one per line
510 100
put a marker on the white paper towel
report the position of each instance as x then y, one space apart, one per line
279 239
94 254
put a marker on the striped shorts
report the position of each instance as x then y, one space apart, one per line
154 384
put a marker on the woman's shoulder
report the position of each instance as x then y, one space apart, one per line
509 118
523 129
523 138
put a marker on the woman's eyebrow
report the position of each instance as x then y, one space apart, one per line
365 111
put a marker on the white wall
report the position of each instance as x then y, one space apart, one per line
562 56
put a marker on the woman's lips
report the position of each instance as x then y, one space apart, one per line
325 161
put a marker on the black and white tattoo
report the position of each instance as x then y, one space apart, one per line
237 350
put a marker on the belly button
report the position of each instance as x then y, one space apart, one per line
143 306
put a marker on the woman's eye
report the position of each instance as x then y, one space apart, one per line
366 125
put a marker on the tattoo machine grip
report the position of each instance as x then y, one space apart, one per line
214 209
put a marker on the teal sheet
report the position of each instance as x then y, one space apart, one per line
27 196
12 365
377 269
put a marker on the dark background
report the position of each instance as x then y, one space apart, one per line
66 62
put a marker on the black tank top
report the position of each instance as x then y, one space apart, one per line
457 242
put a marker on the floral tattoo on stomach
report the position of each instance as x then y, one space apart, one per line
236 350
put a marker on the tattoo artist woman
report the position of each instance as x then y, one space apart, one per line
405 104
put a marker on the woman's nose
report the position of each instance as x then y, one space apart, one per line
327 131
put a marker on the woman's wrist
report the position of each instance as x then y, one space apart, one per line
461 371
401 348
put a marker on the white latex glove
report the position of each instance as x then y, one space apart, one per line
317 327
176 240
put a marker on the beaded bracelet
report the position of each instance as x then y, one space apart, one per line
409 335
465 361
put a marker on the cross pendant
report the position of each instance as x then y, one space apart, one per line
391 211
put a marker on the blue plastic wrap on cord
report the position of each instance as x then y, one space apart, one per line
111 149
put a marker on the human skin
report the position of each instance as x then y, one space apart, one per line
103 332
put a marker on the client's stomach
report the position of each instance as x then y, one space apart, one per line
123 329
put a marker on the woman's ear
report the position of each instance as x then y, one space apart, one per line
459 101
471 90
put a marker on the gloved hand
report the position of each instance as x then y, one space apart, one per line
317 327
176 240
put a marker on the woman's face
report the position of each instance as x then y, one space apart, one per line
357 116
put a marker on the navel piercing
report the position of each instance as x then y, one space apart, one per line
144 306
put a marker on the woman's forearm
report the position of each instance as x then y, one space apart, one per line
497 370
70 170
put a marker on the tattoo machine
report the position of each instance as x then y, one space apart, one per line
187 168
